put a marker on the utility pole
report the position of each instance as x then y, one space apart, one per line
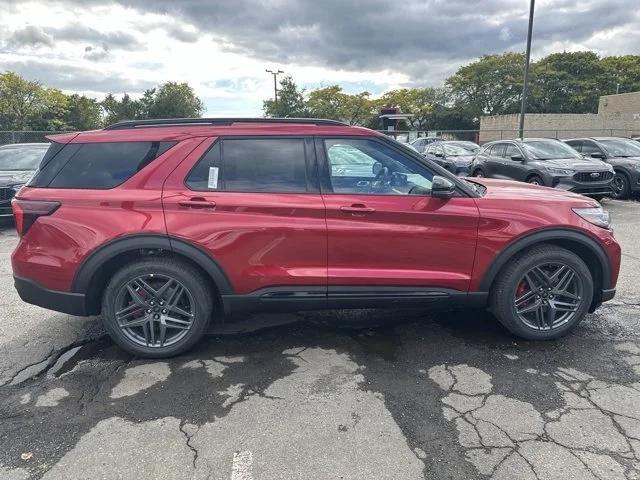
523 106
275 84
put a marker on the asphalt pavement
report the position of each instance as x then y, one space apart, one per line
375 394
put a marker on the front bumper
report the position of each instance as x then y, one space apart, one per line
65 302
570 184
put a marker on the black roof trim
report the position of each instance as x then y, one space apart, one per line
171 122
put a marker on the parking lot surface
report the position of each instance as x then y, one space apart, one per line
385 394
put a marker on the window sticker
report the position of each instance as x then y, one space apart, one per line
213 178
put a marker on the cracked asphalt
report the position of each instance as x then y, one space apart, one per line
376 394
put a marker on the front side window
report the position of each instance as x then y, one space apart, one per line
369 167
588 148
511 150
252 165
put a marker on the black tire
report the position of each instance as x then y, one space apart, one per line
510 278
535 180
478 173
197 291
620 185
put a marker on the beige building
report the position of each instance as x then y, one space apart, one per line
618 115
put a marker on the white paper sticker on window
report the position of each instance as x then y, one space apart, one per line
213 177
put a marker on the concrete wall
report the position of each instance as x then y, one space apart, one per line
618 115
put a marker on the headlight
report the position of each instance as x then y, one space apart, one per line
596 215
559 171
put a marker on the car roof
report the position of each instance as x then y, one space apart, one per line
181 129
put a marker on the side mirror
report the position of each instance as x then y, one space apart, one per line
442 187
598 155
517 158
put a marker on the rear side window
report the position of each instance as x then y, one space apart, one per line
252 165
104 165
497 150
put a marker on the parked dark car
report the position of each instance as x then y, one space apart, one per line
544 161
163 226
622 153
421 143
18 163
455 158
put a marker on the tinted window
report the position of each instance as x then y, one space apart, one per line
369 167
21 158
252 165
549 150
106 165
497 150
588 148
511 150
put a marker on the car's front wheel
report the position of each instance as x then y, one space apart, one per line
542 293
157 307
620 186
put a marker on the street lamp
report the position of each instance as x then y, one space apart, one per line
523 105
275 84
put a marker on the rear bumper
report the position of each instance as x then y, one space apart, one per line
65 302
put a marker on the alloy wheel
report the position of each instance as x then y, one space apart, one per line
154 310
548 296
619 185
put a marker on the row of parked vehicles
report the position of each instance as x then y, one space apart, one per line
596 166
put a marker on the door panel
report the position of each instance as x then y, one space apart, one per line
402 241
514 169
262 239
386 236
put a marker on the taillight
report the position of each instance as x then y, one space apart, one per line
26 212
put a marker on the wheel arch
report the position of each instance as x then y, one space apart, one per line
582 245
99 267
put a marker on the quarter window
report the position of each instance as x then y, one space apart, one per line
105 165
370 168
252 165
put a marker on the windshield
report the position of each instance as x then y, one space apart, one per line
621 147
452 150
21 158
548 150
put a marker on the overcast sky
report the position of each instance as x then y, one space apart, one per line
222 47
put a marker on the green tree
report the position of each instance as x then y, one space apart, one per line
417 101
491 85
171 100
291 102
20 101
331 102
116 110
83 113
623 70
568 82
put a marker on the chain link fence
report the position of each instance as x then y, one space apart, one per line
15 136
483 136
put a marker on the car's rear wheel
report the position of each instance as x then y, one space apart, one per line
543 293
157 307
620 186
535 180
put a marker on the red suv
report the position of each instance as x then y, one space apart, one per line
161 226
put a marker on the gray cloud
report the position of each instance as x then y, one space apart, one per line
70 77
76 32
179 33
376 34
31 36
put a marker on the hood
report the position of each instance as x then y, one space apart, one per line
628 160
463 160
15 177
515 191
578 164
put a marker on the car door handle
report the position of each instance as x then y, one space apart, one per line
196 202
357 208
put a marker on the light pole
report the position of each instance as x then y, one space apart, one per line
275 84
523 105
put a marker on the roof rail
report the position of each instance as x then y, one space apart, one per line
170 122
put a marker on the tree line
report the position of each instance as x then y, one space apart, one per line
568 82
28 105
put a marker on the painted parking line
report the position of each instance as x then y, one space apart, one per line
242 468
